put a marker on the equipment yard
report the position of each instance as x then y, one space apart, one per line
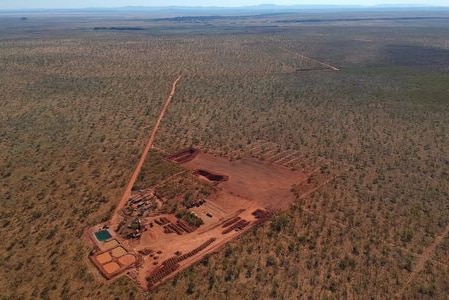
245 193
163 238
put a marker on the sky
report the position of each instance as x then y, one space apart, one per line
27 4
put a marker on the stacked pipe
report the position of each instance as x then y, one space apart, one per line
168 229
230 222
172 264
160 273
236 226
164 220
175 228
177 259
184 226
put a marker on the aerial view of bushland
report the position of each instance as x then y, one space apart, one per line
360 95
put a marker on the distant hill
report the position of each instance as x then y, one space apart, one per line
219 10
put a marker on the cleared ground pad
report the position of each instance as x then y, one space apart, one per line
267 183
119 251
127 260
111 267
104 258
110 244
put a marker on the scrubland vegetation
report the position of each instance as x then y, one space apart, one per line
77 105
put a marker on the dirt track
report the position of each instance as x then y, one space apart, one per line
333 68
319 62
422 260
139 165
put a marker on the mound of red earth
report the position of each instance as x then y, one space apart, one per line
183 156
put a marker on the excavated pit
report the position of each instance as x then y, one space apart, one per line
211 176
183 156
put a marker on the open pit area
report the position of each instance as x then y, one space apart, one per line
267 184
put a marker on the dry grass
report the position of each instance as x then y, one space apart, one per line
76 107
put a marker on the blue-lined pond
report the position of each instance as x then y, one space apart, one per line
102 235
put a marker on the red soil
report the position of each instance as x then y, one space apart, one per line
211 176
266 183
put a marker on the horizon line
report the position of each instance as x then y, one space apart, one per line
267 5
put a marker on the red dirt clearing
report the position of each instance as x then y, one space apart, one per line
247 191
127 260
422 260
111 267
266 183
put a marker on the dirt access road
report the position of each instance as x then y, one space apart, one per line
422 260
127 193
331 67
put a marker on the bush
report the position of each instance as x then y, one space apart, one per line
190 218
279 223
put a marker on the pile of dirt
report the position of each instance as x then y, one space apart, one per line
183 156
211 176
